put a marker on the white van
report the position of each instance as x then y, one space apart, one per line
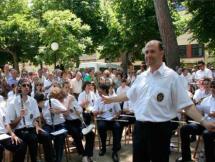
98 66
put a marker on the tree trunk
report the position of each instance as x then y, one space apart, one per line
124 57
14 55
167 33
15 61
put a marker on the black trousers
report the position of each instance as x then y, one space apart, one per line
59 140
29 136
115 127
185 132
151 141
45 139
74 128
17 150
209 145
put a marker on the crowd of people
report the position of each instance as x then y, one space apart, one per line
44 106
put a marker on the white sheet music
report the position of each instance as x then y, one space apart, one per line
61 131
4 136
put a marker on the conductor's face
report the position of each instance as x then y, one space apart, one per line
153 54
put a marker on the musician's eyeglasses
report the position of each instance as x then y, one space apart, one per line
25 85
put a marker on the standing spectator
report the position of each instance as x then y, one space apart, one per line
143 67
186 78
41 76
122 90
6 71
203 71
48 83
131 76
13 78
76 84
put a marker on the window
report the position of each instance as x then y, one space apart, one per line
183 51
197 50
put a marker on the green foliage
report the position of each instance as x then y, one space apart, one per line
68 31
109 27
202 22
130 24
18 32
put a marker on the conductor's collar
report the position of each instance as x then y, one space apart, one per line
159 71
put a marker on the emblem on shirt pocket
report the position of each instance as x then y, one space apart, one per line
31 116
160 97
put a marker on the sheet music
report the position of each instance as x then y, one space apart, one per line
4 136
61 131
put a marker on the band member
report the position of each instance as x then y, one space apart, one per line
23 114
203 91
207 108
43 136
74 125
54 120
13 144
107 114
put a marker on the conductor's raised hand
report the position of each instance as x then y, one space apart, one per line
106 99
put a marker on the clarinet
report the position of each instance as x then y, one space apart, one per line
22 105
52 115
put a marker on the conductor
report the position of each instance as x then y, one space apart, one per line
156 97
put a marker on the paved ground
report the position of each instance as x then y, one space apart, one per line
125 153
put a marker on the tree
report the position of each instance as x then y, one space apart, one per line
167 33
18 32
202 22
68 31
88 11
130 25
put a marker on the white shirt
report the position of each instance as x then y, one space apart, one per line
15 106
157 97
186 80
127 106
109 110
76 85
57 118
3 121
207 106
200 94
11 94
47 83
74 106
91 97
201 74
122 90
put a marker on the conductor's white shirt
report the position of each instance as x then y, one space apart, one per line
157 96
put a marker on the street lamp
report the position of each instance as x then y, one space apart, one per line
55 47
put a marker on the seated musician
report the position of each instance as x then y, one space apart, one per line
106 120
54 120
206 107
13 144
23 114
203 91
74 125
